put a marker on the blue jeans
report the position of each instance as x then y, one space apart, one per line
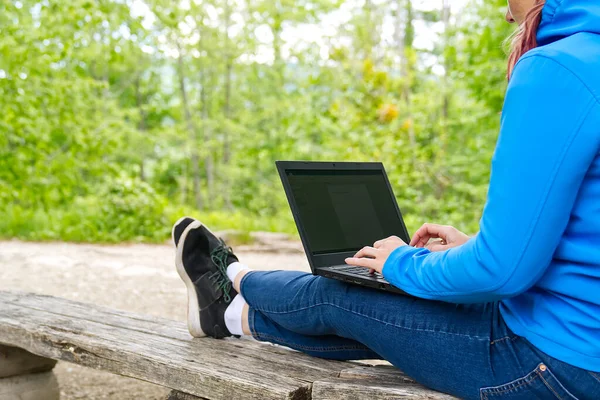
464 350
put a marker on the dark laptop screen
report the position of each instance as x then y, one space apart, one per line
344 210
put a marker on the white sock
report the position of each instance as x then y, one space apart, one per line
235 268
233 315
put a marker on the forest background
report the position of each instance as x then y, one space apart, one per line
118 116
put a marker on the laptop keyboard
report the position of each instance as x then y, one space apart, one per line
358 271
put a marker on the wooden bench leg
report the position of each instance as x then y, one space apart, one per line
177 395
26 376
39 386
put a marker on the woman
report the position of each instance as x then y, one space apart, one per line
513 312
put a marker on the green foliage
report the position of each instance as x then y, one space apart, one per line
129 208
117 117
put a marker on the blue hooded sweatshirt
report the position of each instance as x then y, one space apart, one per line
538 246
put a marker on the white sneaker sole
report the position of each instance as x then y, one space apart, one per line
193 316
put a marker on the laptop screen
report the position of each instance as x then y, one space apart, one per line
344 210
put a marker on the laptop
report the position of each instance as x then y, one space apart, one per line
339 208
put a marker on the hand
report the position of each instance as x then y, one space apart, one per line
445 237
377 255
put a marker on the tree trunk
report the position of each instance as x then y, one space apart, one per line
204 113
368 10
142 124
441 181
227 108
193 135
445 91
404 35
278 63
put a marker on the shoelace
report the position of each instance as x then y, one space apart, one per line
219 258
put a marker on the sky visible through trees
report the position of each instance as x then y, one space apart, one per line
119 115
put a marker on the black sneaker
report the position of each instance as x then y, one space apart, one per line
201 260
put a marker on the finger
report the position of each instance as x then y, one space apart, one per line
417 236
366 252
426 232
437 246
422 241
361 262
382 242
418 239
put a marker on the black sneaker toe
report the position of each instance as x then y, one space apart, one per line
179 227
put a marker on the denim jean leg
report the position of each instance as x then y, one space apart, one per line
441 345
326 346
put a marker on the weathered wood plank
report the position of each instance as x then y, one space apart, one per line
352 389
376 372
156 350
379 382
15 361
163 327
41 386
177 395
137 322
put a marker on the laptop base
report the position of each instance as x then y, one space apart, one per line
372 281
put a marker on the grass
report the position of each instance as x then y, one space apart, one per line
87 222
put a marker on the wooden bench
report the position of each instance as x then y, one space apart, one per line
35 330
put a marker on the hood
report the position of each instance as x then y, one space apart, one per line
563 18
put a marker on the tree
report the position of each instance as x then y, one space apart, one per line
118 115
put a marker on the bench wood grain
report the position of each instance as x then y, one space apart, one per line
374 383
162 352
156 350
